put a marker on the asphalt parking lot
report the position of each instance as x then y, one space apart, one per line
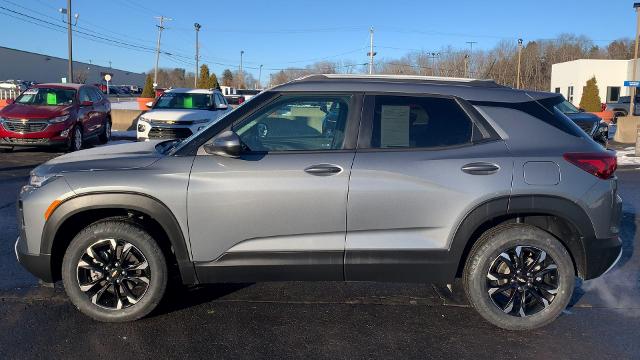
312 320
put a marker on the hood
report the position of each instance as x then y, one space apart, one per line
110 157
583 117
179 115
21 111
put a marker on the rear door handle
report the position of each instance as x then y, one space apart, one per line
323 169
481 168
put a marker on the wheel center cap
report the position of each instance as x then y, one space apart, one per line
115 273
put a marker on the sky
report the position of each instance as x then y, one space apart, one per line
280 34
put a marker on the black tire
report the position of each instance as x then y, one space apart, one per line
105 136
144 250
74 144
7 149
485 256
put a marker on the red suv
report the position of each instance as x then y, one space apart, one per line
56 115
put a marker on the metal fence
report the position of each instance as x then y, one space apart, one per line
8 94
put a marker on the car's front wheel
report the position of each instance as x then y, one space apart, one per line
76 140
519 277
114 271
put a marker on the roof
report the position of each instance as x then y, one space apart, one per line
191 91
469 89
61 85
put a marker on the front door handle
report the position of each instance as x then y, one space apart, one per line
481 168
323 170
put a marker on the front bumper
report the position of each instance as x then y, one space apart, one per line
37 264
9 141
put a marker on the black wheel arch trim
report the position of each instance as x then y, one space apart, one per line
509 206
139 202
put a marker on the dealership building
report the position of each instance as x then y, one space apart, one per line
568 78
28 66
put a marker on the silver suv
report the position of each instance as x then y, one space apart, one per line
334 177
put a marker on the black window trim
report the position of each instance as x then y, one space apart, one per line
351 130
479 123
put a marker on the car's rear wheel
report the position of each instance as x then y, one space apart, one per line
106 132
114 271
519 277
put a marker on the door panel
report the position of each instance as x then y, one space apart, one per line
267 205
413 201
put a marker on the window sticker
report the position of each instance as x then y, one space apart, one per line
188 102
394 126
52 99
30 92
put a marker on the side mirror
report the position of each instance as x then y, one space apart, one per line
581 110
149 104
86 103
9 101
226 144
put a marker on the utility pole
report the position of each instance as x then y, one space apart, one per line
519 60
260 77
240 71
109 64
160 28
371 53
197 27
433 56
466 65
68 12
634 89
467 58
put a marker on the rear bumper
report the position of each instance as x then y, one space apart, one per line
601 256
37 264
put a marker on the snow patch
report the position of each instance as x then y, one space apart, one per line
627 157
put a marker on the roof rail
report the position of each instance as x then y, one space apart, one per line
394 78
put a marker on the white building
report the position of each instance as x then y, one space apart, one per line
568 78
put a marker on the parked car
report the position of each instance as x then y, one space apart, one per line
445 178
621 107
62 115
588 122
234 99
179 113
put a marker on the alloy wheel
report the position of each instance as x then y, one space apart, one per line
113 273
77 138
523 281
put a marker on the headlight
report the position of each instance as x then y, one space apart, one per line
59 119
142 118
41 180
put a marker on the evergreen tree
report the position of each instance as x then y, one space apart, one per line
213 82
227 78
147 91
204 80
591 97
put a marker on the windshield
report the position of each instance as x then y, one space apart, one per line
47 97
567 108
171 100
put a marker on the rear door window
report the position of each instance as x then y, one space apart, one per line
419 122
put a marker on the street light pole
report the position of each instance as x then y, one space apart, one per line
197 27
260 77
519 59
70 41
240 72
632 102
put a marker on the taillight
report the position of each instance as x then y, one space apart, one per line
602 165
